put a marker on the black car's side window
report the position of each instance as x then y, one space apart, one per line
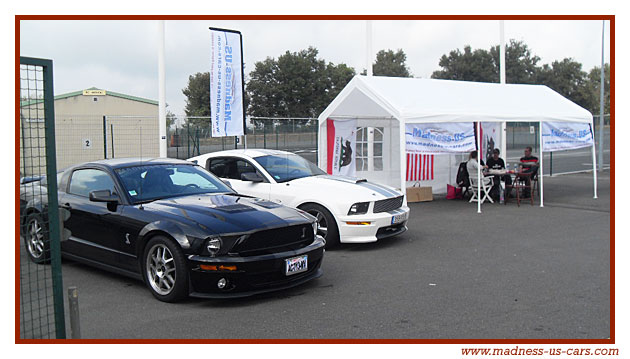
84 181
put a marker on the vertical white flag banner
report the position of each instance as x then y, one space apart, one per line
558 136
226 83
490 139
341 147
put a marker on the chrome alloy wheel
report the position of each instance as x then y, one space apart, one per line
161 269
322 225
35 241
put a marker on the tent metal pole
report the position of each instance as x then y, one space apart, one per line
594 167
478 166
540 167
402 155
502 80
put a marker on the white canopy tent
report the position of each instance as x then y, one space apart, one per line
392 102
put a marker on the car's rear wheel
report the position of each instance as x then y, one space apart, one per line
36 239
164 269
327 226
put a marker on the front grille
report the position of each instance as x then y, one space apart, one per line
386 205
275 240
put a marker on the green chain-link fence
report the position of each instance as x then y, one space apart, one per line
40 283
194 137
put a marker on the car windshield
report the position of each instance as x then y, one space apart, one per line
284 168
151 182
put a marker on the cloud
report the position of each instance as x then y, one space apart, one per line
122 55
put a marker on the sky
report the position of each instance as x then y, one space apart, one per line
121 56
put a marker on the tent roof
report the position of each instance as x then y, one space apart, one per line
433 101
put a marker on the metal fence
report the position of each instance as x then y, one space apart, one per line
40 285
289 134
82 138
523 134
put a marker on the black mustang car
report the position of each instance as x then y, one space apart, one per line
179 228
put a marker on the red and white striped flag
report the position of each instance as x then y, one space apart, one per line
419 167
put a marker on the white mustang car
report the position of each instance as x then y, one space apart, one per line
348 210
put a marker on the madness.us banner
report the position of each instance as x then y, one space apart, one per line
341 147
558 136
226 83
430 138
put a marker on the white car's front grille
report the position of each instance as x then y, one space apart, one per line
386 205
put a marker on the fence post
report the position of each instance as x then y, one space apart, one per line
104 137
73 306
176 144
111 134
197 142
188 139
53 204
264 135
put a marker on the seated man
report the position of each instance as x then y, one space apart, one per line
530 165
497 163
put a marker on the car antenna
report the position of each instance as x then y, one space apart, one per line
141 179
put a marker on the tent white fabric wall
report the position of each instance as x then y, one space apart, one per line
400 101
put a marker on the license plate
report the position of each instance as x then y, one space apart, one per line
399 218
296 265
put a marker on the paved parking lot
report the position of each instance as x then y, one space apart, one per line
510 272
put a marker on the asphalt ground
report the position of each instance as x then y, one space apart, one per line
510 272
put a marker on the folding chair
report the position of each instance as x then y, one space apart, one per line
486 186
522 182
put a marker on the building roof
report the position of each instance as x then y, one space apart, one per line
80 93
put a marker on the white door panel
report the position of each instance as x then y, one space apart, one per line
260 189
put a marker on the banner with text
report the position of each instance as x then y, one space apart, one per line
558 136
341 147
226 83
431 138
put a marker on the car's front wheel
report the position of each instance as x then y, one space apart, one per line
36 239
164 269
327 226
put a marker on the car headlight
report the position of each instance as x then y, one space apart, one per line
214 245
359 208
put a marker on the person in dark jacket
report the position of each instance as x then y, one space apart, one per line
496 163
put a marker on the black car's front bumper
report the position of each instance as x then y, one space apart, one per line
254 274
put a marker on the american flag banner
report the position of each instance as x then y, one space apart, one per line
419 167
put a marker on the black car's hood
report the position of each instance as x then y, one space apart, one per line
225 213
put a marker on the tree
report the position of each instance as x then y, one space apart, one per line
567 78
593 89
198 99
468 65
170 119
483 66
390 63
297 84
520 64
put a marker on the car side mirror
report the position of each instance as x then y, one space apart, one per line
104 196
251 177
